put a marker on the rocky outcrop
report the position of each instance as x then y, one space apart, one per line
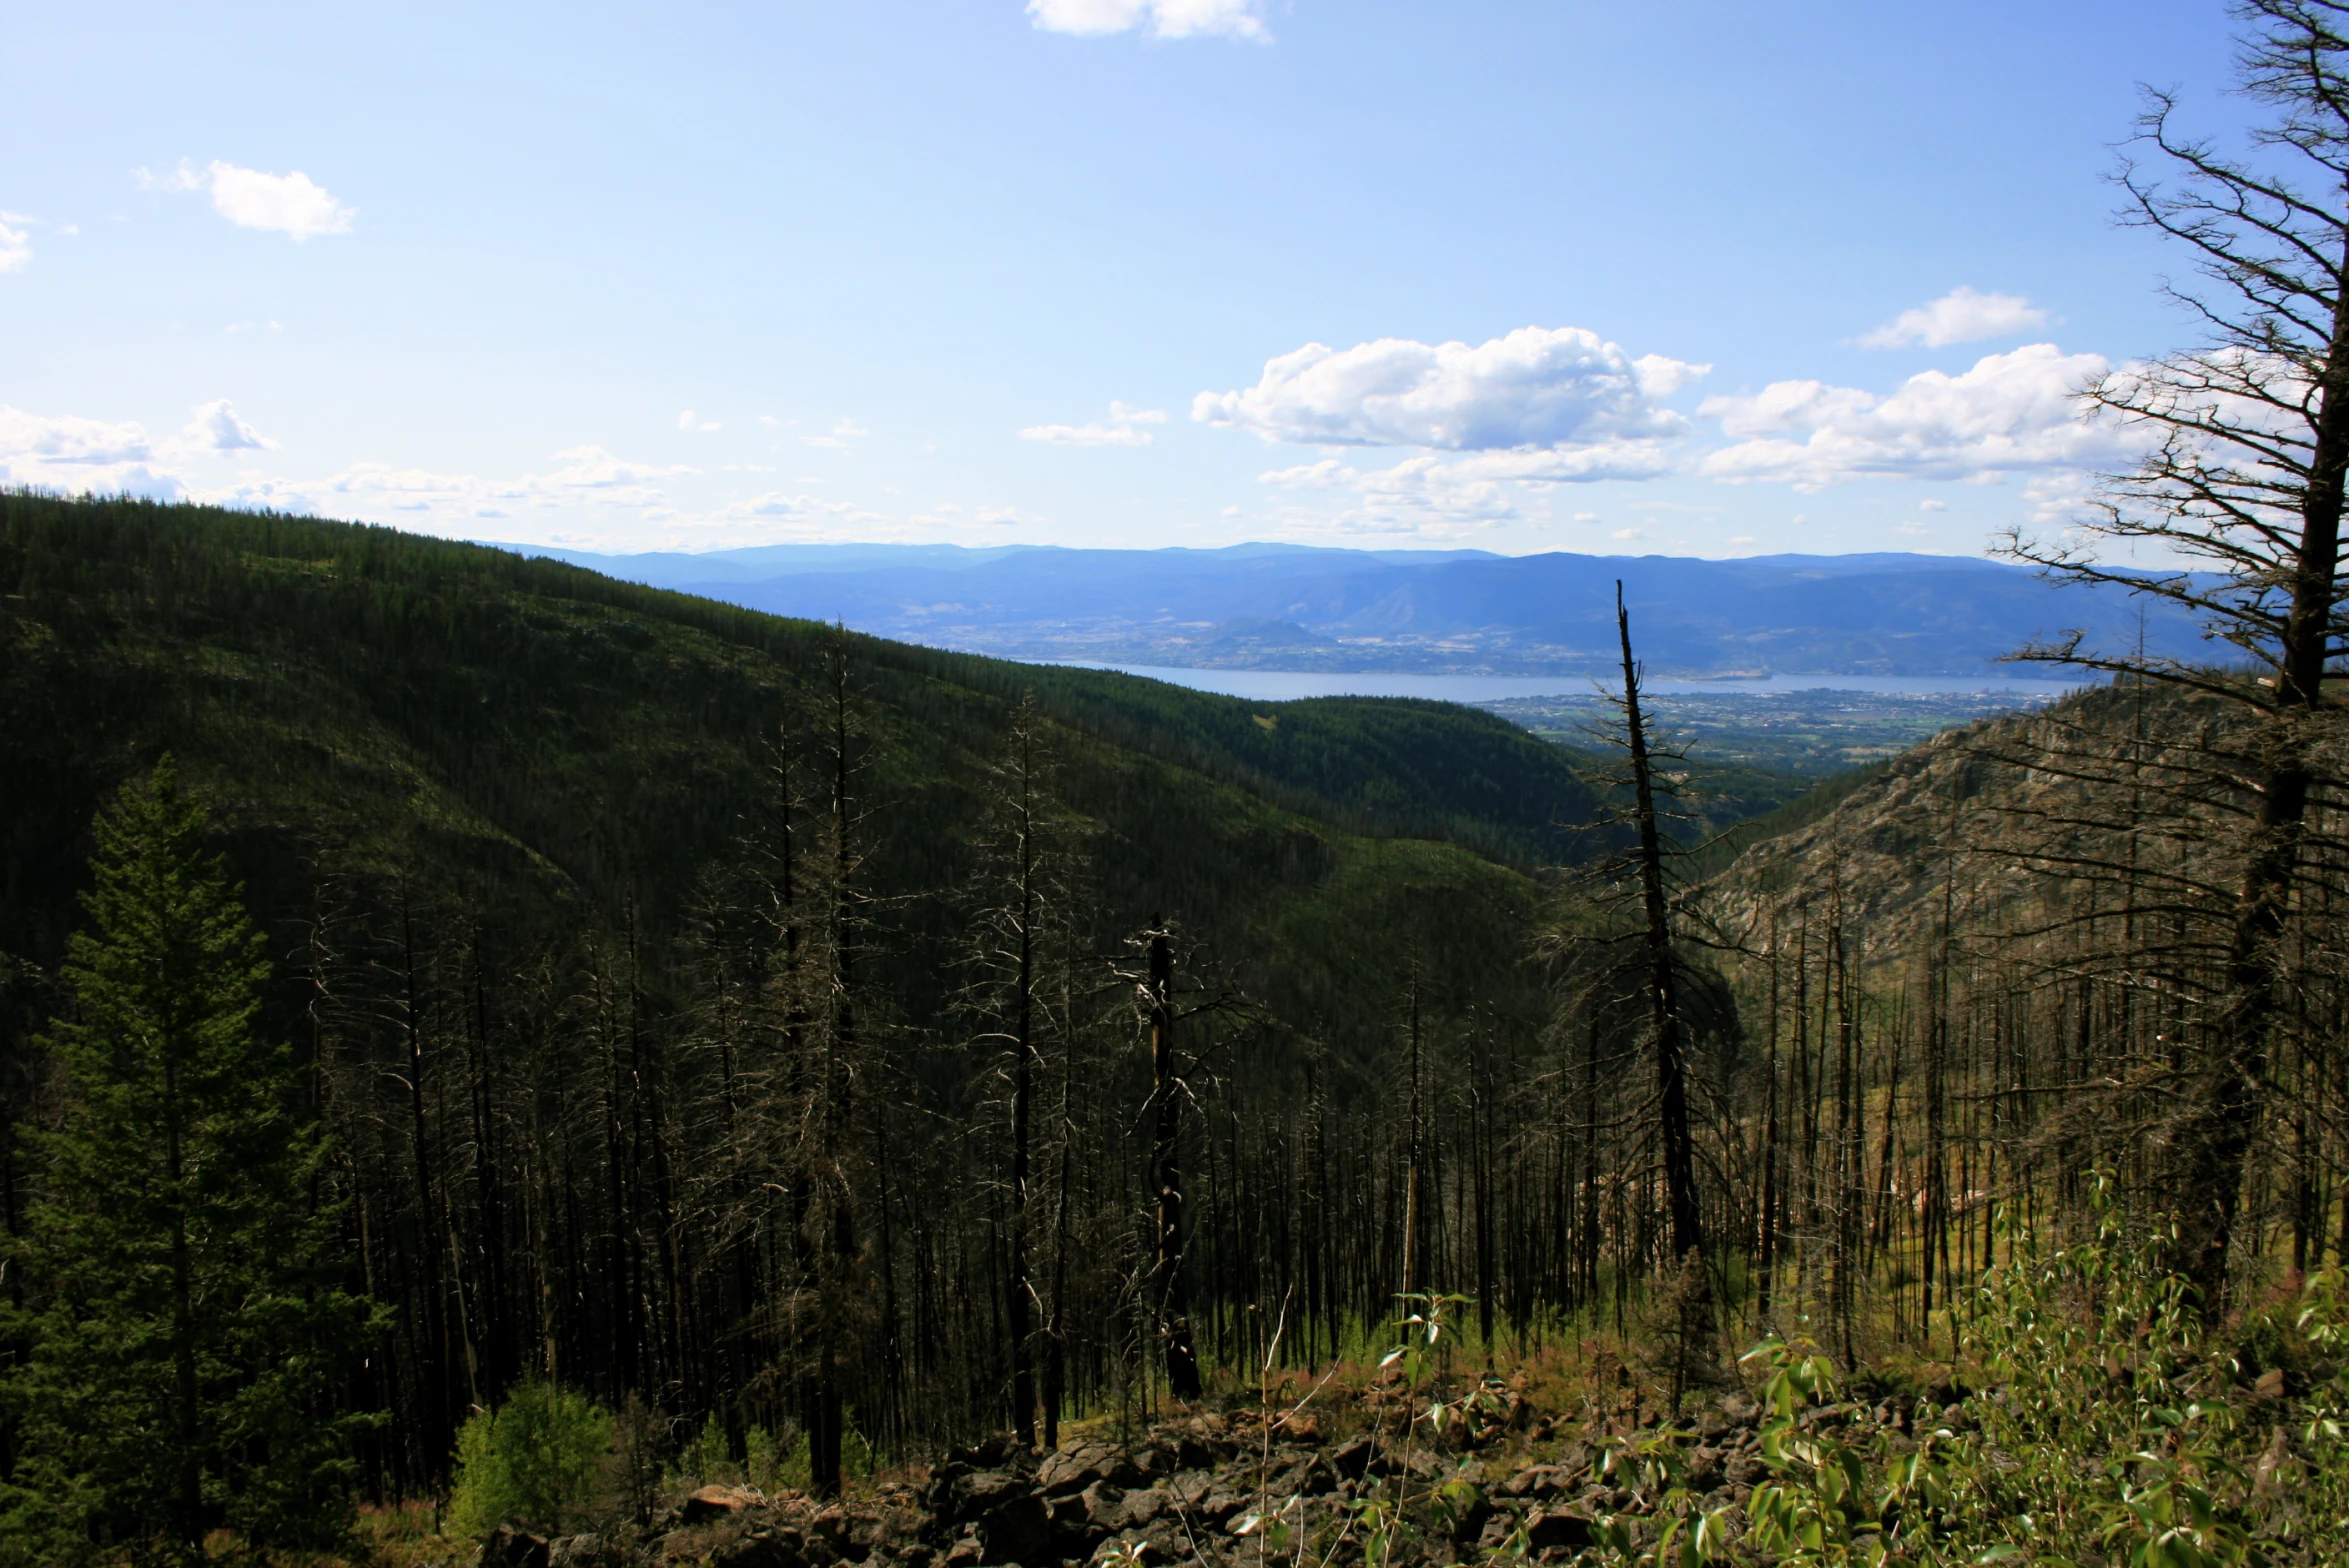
1200 1490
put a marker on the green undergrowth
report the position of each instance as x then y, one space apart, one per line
2098 1422
2089 1419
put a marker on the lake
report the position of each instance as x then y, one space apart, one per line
1288 685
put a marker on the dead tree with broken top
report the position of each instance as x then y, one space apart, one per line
1166 1096
1636 959
2244 444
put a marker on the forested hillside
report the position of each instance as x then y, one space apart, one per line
538 855
764 1051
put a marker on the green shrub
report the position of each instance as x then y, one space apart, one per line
2108 1431
535 1458
768 1464
2105 1427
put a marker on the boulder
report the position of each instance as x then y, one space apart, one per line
1471 1510
1537 1481
1103 1508
759 1549
1704 1468
1079 1465
508 1547
711 1503
1309 1477
1495 1535
989 1454
1556 1531
958 1495
1193 1452
1019 1530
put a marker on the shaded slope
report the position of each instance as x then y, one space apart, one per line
376 712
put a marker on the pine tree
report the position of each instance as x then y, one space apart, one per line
186 1334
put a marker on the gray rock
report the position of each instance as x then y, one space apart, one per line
714 1502
588 1551
1104 1506
759 1549
1704 1469
1556 1531
1019 1530
508 1547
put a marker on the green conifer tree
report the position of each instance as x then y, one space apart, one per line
186 1337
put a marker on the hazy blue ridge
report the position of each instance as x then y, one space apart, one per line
1298 607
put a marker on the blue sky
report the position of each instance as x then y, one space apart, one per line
1588 277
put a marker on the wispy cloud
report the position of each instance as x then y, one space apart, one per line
1122 428
1159 18
838 437
16 244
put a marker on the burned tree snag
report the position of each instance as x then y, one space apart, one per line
1182 1360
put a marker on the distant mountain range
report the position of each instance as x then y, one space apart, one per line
1287 607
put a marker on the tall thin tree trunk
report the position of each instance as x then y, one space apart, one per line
1182 1361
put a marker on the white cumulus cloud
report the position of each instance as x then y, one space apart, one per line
1960 316
81 456
1122 428
215 427
1160 18
2011 413
66 439
76 455
288 204
1536 387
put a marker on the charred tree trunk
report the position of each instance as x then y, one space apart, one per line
1688 1231
1182 1360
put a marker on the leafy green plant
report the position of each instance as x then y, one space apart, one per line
1654 1468
535 1458
2104 1430
1833 1502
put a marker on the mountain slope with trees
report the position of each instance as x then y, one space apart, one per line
569 885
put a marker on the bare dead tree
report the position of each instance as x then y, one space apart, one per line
2242 477
1166 1094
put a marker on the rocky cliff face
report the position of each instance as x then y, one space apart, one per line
2004 822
